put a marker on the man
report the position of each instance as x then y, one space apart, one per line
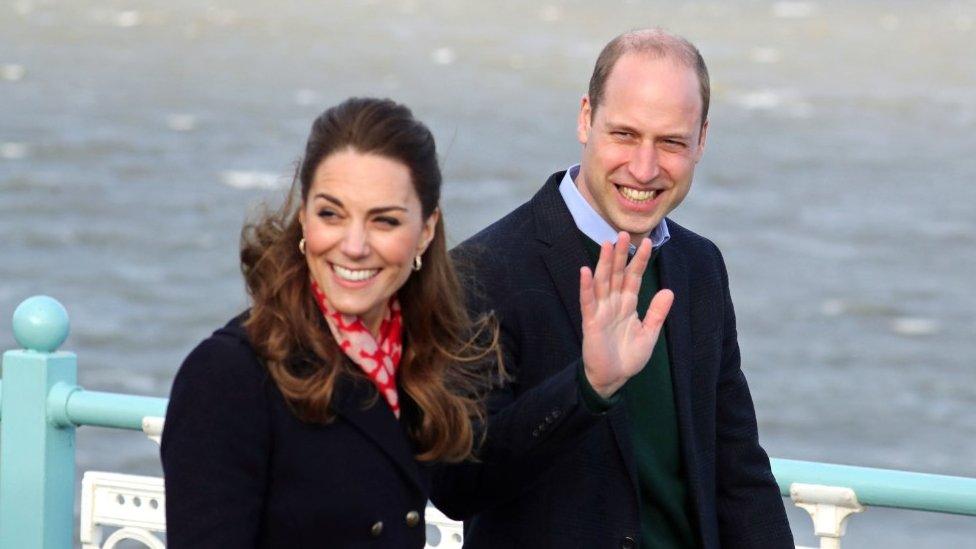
674 458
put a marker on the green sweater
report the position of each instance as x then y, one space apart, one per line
665 512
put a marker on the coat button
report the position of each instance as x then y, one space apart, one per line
413 519
628 543
376 529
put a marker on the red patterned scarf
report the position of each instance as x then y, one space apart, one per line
379 359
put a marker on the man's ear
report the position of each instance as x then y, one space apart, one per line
701 141
583 123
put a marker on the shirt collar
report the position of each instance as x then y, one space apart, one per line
591 223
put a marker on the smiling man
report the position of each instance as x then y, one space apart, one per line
675 460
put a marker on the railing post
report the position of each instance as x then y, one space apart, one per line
829 507
37 456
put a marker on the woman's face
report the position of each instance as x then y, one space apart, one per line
363 226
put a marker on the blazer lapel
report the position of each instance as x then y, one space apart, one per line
565 253
675 276
357 402
564 257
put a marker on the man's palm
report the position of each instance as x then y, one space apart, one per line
616 343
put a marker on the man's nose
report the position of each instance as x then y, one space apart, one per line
643 164
355 243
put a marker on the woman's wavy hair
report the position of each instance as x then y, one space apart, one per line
442 368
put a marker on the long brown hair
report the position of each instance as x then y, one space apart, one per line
442 368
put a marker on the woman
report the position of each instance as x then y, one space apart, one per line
309 421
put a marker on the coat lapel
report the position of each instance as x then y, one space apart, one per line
674 270
565 253
564 257
358 403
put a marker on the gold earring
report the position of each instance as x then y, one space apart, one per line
417 263
301 245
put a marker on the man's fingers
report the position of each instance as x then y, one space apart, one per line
635 271
587 304
657 311
620 252
601 276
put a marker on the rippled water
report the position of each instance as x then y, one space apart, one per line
135 136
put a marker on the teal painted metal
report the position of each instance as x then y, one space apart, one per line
884 487
111 409
43 405
40 324
37 459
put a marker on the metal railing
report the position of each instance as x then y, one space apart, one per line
41 405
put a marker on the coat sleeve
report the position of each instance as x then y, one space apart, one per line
524 432
749 506
215 448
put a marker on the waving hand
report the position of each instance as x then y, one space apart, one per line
616 343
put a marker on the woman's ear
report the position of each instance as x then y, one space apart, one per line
430 228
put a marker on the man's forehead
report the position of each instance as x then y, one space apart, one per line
648 84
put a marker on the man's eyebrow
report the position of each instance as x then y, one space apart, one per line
677 135
612 125
376 210
623 126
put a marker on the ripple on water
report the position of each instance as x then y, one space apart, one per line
12 72
915 326
841 307
181 122
794 10
14 151
253 179
443 56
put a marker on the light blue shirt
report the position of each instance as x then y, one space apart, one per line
591 223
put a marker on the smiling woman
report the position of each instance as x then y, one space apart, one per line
310 418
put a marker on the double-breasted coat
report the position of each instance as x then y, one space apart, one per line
241 470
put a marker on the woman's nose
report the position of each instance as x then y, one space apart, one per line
355 243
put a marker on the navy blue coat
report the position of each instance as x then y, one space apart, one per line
242 471
525 267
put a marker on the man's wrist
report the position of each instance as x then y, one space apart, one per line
593 400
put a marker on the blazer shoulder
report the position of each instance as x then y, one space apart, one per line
699 247
505 236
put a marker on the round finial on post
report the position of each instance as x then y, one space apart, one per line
41 324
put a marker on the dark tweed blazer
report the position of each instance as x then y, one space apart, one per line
525 267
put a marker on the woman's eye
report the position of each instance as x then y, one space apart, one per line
390 221
326 214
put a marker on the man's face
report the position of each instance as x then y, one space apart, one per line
641 145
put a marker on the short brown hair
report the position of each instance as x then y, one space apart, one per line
657 43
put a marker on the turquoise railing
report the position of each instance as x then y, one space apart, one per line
41 405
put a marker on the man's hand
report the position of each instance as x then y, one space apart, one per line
616 344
